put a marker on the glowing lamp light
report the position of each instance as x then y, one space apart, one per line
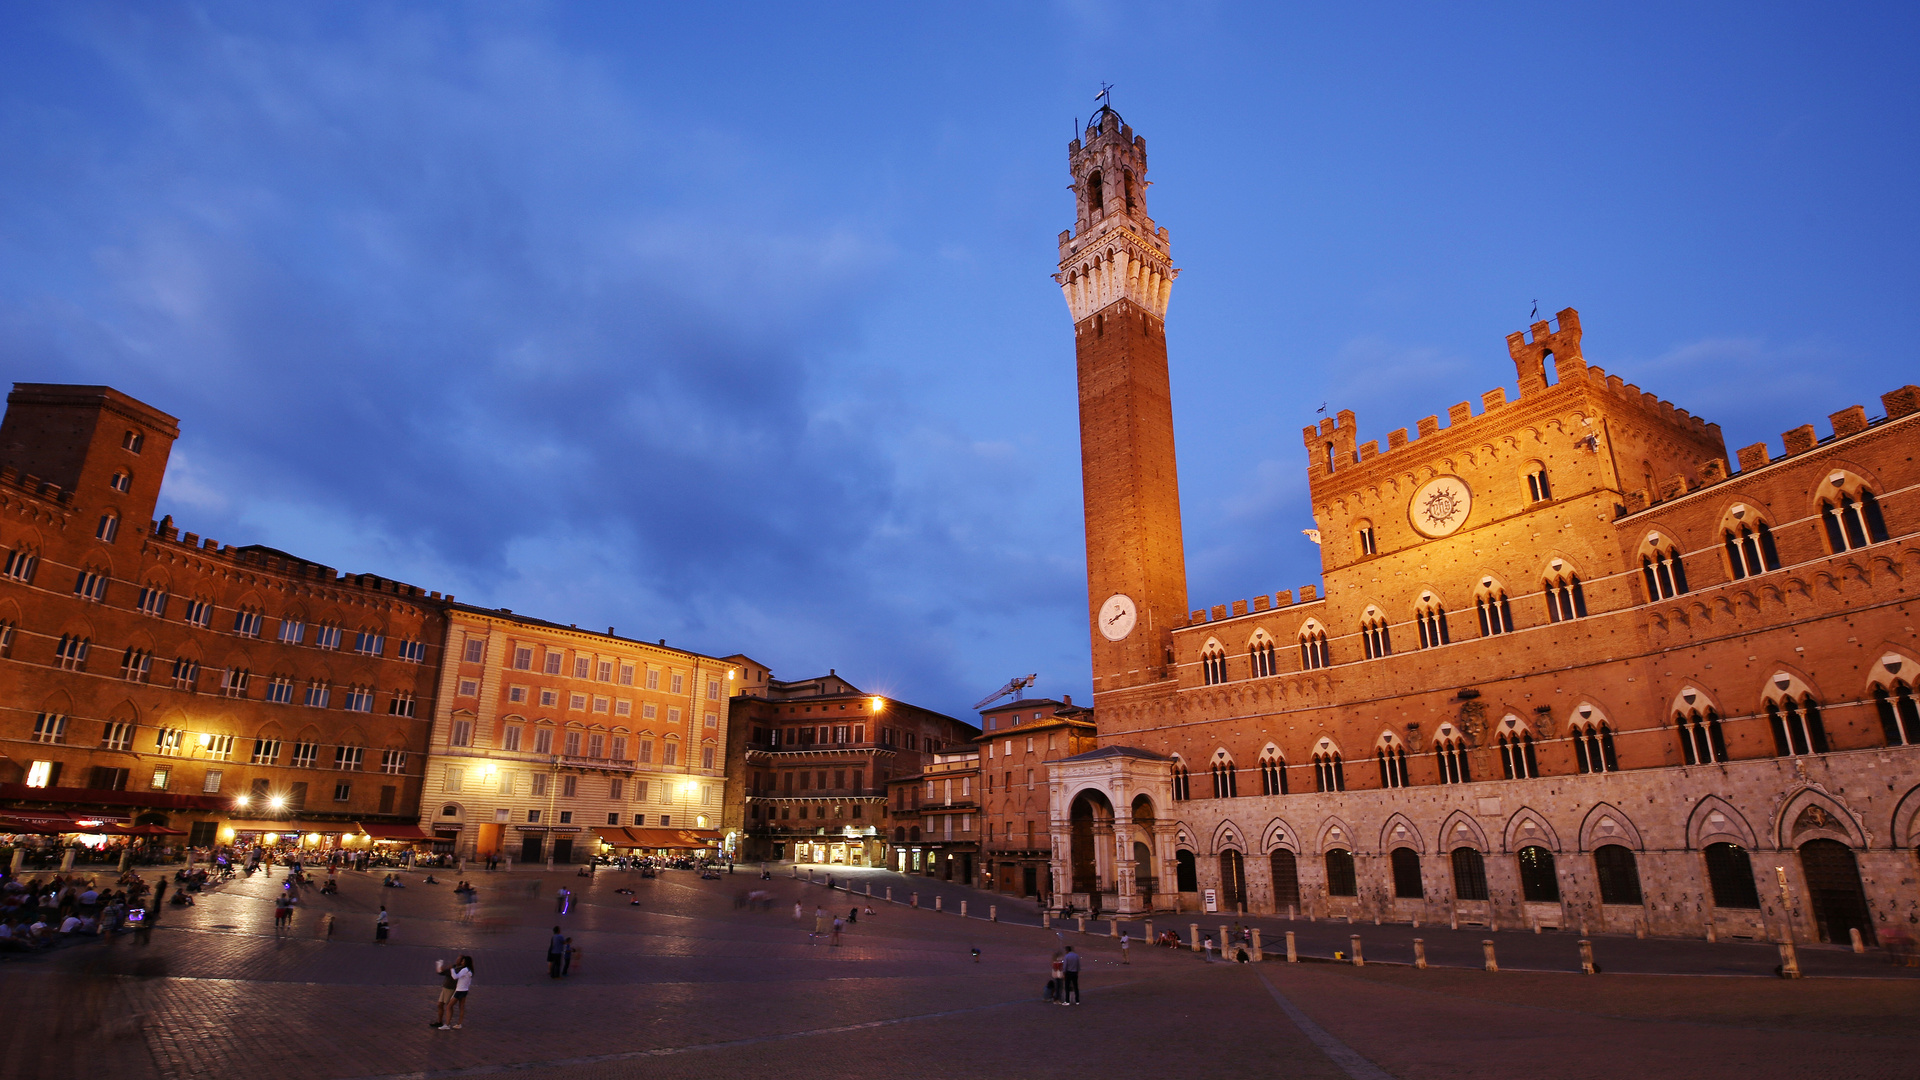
205 740
241 801
226 833
272 838
278 802
876 704
313 838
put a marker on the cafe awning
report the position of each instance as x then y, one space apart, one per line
674 839
394 832
615 836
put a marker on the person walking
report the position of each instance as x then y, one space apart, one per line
556 953
838 925
1071 966
1056 978
381 925
462 983
1126 942
819 924
1206 948
572 955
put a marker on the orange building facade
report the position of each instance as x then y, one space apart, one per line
1018 741
1569 665
152 677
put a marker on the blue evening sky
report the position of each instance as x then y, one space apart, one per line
732 324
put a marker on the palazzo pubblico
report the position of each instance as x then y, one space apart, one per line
1572 666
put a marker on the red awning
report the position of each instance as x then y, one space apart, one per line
32 827
674 839
394 832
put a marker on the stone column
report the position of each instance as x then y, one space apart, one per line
1059 865
1126 890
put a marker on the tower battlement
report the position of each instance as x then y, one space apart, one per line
1114 251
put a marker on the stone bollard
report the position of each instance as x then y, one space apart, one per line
1080 923
1711 935
1376 920
915 901
1536 926
1258 955
963 909
1453 921
1416 922
993 912
1358 961
66 860
1639 929
509 866
1420 953
126 860
1293 912
1789 961
1193 929
1113 928
869 888
1859 945
796 871
939 903
1226 943
889 894
1293 957
549 866
1046 919
463 866
1493 921
20 860
1486 946
1149 938
1586 957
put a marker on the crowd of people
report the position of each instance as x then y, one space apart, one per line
43 911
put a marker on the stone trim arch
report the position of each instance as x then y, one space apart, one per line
1702 701
1183 837
1336 833
1798 684
1893 665
1516 835
1606 824
1228 836
1461 830
1278 836
1812 814
1595 714
1400 831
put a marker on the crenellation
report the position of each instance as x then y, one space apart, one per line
1283 598
1799 440
1848 421
1902 402
1308 594
1427 425
1459 414
1369 449
1262 602
1396 438
1753 457
1493 399
1219 612
1239 608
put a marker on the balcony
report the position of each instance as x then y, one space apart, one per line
599 763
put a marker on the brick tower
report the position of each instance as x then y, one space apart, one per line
1116 276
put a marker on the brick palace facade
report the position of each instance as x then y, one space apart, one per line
1569 666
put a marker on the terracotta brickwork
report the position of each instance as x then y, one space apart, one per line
148 673
1561 635
1019 741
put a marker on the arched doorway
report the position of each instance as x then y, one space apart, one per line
1286 880
1233 881
1089 815
1833 891
1186 875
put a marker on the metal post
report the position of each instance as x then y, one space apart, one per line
1358 960
1486 946
1420 953
1293 957
1586 957
1789 961
1257 954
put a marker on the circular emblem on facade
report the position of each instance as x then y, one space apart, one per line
1117 617
1441 506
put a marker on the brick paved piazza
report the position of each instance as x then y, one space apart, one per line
685 984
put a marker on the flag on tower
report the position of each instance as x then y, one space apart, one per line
1102 95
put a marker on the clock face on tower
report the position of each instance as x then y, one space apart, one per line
1117 617
1441 506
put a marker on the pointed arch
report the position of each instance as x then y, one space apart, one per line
1279 834
1904 827
1812 814
1461 830
1228 836
1606 824
1528 827
1714 820
1400 831
1336 833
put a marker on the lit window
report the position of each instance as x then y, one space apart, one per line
161 774
211 784
41 774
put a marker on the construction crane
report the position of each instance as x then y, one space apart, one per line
1012 689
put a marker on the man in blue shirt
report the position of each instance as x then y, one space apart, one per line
556 952
1072 969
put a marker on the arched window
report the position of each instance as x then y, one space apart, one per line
1797 728
1730 873
1406 874
1565 598
1432 618
1213 663
1517 760
1490 604
1260 658
133 441
1340 876
1313 647
1469 874
121 481
1593 743
1899 716
108 528
1273 773
1619 875
1701 741
1096 194
1537 489
1392 756
1660 565
1851 513
1328 773
1538 882
1364 539
1181 781
1750 547
1224 784
1375 635
1450 751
